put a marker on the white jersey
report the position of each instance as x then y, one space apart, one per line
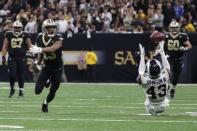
156 89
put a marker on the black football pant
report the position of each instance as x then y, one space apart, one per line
176 69
16 67
55 78
91 73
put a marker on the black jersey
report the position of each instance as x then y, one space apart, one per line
17 45
52 59
172 45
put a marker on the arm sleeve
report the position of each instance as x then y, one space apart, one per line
142 66
165 62
185 37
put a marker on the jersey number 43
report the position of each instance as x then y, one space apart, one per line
154 92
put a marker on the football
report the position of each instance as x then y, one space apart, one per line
156 37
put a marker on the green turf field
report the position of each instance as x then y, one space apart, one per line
96 107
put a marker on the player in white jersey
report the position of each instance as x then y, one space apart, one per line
155 80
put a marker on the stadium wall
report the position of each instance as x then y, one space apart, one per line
118 57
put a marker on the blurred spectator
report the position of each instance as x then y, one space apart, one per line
102 15
168 12
189 27
158 18
82 65
5 11
31 26
61 22
91 60
178 9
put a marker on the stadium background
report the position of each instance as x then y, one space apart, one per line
117 57
116 26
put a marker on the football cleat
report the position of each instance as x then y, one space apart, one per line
44 108
172 93
20 93
12 91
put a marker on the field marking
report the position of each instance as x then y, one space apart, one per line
11 127
69 106
9 111
137 103
98 120
192 113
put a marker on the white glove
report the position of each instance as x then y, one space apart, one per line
142 51
182 48
35 50
159 49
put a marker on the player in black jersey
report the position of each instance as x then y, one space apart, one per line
49 44
176 44
16 43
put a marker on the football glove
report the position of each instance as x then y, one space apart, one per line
35 50
160 48
3 60
182 48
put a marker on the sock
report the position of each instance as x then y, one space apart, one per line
45 102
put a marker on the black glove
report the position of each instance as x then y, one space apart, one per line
3 60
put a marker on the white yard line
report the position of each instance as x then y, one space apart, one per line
84 106
11 127
98 120
137 103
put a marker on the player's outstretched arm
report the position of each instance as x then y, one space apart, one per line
54 47
35 49
29 43
187 44
141 69
165 62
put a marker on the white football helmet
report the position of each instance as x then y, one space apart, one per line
153 68
49 27
174 27
17 27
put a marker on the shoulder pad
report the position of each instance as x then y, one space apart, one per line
59 36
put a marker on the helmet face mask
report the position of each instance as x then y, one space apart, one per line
49 28
17 27
154 68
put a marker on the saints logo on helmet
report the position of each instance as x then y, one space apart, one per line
174 28
153 68
49 27
17 27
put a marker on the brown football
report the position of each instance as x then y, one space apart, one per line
156 37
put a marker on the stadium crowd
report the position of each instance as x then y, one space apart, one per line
119 16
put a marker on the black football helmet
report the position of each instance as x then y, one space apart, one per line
153 68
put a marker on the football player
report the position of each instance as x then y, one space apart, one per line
49 43
176 44
155 80
16 43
